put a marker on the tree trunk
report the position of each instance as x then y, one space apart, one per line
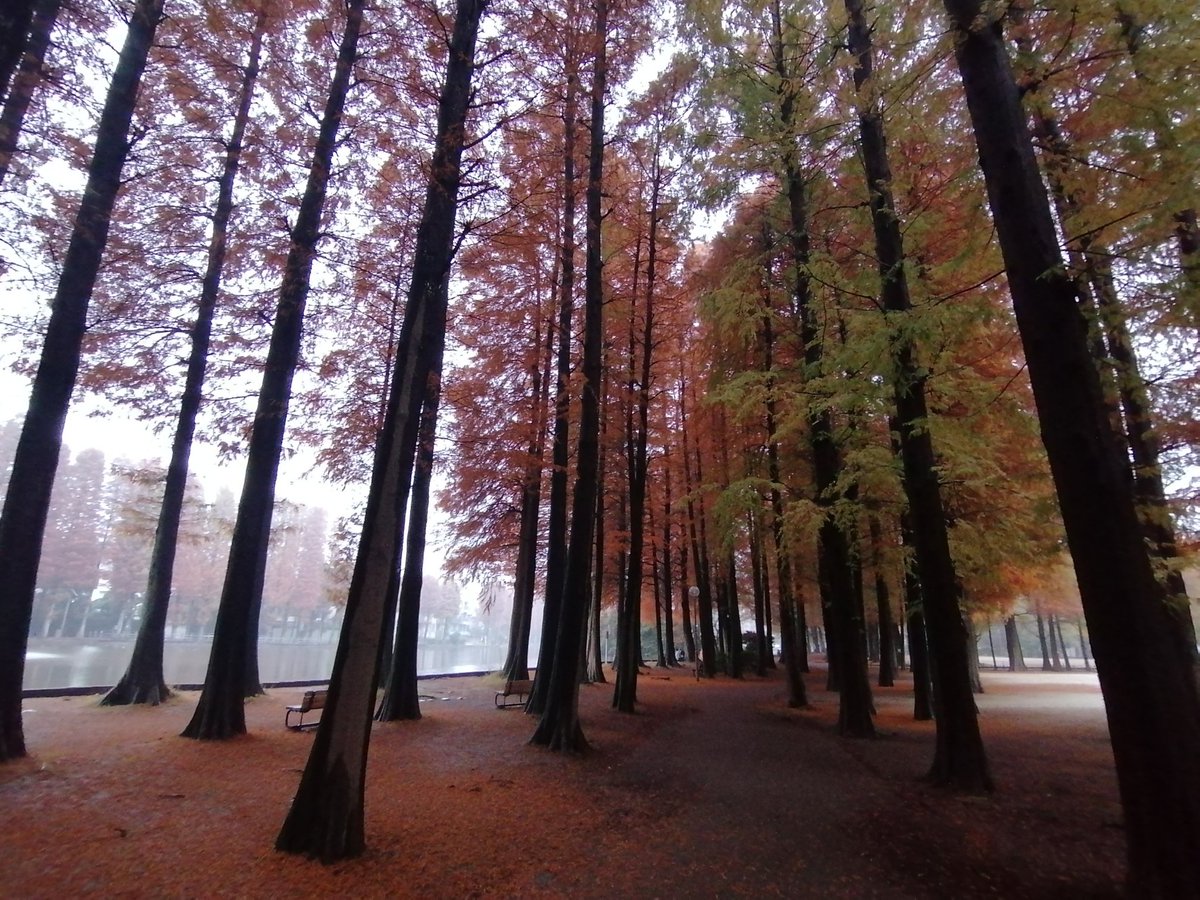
516 662
1047 665
27 501
959 760
1012 641
887 630
834 559
1148 683
792 640
595 662
1114 346
143 681
556 524
668 584
29 75
326 816
559 728
761 596
219 712
1187 228
400 697
1062 643
703 611
16 18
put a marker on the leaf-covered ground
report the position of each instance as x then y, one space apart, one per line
714 789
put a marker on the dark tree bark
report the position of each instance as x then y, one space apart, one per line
658 610
667 581
625 692
791 633
685 600
1147 679
326 816
1187 226
918 644
16 19
1114 350
219 713
556 523
1043 643
1012 640
834 557
28 76
143 681
703 611
595 661
400 697
516 662
559 728
883 604
1062 643
761 595
27 502
959 760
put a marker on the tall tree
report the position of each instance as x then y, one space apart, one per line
556 523
959 759
15 22
23 520
1148 684
326 816
219 712
143 681
30 73
854 714
559 727
400 698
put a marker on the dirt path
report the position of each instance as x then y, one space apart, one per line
713 790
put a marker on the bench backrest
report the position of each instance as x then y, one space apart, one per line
313 700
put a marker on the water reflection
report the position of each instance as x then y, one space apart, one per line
82 662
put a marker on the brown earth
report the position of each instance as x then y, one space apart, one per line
715 789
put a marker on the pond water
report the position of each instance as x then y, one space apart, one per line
53 663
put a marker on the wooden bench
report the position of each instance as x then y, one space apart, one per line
518 689
310 701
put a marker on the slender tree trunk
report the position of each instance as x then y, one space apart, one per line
559 728
667 581
400 696
1012 641
1062 643
1187 227
1148 682
16 19
959 760
887 630
834 558
1045 645
556 525
516 663
685 600
326 816
595 666
1114 346
703 611
658 610
143 681
27 501
758 577
219 713
29 75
